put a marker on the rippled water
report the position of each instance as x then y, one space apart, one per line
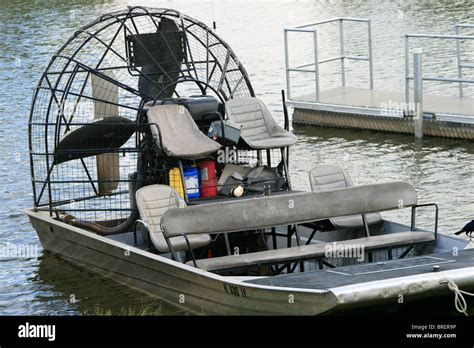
31 31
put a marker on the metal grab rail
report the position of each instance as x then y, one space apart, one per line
458 37
310 28
458 27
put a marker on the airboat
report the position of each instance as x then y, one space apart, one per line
154 163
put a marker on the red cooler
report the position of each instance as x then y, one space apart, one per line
208 178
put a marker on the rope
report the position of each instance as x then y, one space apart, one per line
459 300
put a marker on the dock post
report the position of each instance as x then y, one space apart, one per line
342 52
418 91
459 61
407 70
287 65
371 55
316 64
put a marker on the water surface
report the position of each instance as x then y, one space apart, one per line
31 31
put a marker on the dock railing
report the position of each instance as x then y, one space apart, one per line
314 66
460 65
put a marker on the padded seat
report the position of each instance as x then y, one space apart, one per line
180 136
312 251
152 202
333 177
259 130
269 211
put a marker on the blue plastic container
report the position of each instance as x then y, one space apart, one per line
191 178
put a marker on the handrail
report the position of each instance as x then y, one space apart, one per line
297 30
440 36
347 19
288 69
443 79
464 25
306 67
458 27
458 37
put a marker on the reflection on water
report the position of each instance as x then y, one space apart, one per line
32 30
72 289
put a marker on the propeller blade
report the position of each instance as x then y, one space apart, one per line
95 138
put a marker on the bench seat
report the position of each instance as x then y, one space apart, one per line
312 251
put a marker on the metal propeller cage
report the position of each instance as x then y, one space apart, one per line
96 85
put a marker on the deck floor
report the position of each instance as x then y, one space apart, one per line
379 99
363 273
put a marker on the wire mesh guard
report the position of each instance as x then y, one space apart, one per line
85 124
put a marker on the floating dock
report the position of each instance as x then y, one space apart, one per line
409 111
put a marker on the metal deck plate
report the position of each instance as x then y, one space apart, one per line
370 98
348 275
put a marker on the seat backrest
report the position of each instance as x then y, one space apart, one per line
287 209
329 177
201 107
153 201
181 137
252 115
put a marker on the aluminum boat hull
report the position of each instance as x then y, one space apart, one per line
202 292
